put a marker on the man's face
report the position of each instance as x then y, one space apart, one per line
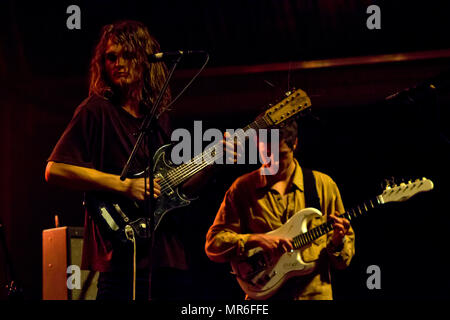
119 65
285 158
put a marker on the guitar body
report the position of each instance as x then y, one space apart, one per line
172 198
113 212
261 278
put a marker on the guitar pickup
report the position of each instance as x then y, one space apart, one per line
109 220
170 191
167 184
142 227
122 214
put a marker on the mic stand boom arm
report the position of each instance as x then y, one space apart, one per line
146 125
145 129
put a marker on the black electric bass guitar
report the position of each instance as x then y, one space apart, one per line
261 277
119 215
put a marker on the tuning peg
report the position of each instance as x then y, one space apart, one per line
389 183
288 93
412 184
386 185
394 183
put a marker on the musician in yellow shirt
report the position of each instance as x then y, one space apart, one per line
256 204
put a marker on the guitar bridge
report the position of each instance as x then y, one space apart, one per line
170 191
122 214
141 227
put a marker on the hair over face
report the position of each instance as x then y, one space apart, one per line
289 133
134 38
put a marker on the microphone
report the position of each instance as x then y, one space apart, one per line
412 94
165 56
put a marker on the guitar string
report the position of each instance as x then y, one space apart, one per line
220 154
309 236
178 175
318 231
213 148
315 233
186 168
196 159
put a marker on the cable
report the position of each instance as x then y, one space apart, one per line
190 82
129 232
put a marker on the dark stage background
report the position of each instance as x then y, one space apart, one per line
256 50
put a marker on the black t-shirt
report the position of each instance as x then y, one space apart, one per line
101 136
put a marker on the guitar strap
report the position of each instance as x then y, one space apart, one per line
309 184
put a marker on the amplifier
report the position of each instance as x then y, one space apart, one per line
62 277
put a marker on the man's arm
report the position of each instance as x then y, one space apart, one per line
225 240
340 245
341 240
87 179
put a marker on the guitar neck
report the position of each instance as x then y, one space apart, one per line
308 237
213 153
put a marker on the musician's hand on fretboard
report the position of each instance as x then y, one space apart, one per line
341 227
137 190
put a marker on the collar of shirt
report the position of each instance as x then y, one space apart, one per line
297 181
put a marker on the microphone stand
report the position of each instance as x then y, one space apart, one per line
145 129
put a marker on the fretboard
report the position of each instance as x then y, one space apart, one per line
308 237
210 155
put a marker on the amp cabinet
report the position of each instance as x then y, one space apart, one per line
62 278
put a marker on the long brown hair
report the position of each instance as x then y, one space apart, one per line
134 37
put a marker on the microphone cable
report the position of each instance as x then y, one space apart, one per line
190 82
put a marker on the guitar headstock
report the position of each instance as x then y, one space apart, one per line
405 190
290 106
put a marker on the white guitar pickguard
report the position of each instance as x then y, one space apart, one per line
290 264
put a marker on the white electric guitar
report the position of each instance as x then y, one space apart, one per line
260 278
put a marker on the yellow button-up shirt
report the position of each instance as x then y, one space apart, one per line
250 206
